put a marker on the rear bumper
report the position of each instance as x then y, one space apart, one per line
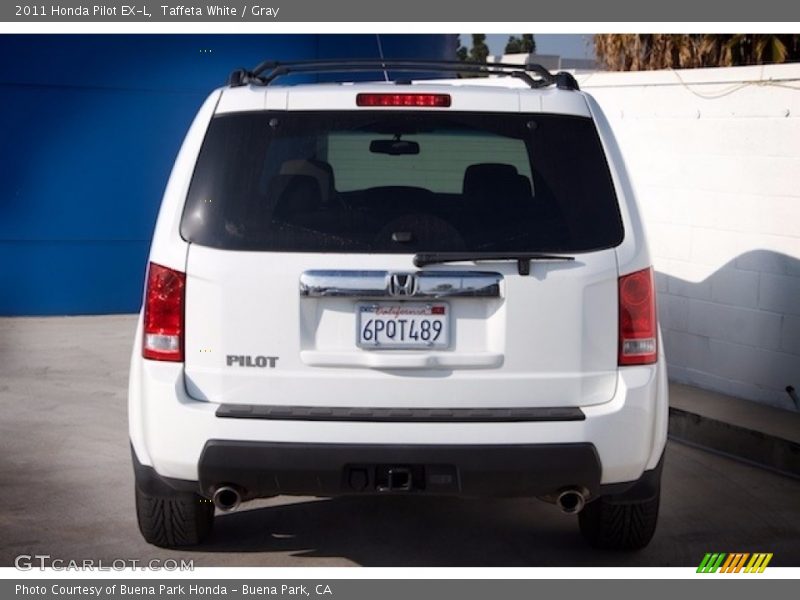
269 469
180 438
259 470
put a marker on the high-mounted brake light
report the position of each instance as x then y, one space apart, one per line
420 100
638 325
163 314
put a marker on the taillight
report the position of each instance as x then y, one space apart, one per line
163 314
638 324
435 100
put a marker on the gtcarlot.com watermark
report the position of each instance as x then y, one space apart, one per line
28 562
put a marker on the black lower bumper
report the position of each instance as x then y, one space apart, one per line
261 469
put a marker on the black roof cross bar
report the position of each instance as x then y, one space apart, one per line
536 76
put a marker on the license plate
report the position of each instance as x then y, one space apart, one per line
403 325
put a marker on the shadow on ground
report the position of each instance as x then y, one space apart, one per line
696 514
394 531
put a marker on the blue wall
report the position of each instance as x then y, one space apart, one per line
89 128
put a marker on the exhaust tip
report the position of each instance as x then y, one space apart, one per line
571 501
227 498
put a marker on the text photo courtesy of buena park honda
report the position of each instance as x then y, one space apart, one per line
400 300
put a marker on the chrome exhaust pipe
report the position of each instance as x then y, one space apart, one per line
227 498
571 501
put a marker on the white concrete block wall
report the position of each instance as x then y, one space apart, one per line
715 158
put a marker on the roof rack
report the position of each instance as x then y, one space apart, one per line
269 70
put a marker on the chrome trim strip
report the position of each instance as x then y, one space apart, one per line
378 284
420 359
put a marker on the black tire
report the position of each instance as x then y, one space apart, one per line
615 525
174 519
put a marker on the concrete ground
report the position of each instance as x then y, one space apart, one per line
66 487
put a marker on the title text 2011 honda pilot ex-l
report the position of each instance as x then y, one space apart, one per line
399 287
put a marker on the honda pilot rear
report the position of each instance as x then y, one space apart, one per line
397 288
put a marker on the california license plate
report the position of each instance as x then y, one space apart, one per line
384 325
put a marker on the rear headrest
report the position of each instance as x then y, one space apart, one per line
485 177
491 179
318 169
524 186
293 194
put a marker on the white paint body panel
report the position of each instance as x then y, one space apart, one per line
549 340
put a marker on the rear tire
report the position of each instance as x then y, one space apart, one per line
174 519
619 525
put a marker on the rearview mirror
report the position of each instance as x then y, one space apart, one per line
393 147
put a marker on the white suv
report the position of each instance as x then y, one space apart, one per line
399 288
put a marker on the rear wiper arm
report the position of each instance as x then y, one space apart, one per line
523 258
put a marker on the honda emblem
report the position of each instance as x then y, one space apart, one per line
402 284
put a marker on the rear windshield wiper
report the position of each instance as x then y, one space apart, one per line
523 258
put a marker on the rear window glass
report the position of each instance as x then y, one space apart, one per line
401 182
439 167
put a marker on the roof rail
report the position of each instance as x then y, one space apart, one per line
269 70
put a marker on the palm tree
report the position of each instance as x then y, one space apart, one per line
749 49
637 52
